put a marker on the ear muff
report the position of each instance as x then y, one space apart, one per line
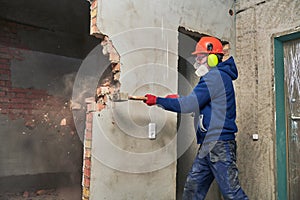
212 60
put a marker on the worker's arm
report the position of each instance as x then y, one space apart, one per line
186 104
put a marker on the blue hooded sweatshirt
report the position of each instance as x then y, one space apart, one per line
213 103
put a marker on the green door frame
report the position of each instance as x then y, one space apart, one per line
281 140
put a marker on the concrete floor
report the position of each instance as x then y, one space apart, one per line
62 193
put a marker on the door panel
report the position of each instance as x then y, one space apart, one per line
292 93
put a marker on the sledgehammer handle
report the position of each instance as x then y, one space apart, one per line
139 98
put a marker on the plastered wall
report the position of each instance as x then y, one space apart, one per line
145 34
256 24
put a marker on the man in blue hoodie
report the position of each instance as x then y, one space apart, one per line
213 103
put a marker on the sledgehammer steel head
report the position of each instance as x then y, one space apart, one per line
119 97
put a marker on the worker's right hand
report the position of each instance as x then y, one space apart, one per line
172 96
151 99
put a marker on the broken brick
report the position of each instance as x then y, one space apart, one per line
100 106
116 67
86 192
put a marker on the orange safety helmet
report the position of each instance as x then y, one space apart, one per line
209 45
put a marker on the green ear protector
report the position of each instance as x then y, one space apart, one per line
212 59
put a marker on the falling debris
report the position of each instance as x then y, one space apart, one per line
74 105
63 122
30 124
46 118
26 194
44 192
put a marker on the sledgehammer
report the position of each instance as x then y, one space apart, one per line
123 96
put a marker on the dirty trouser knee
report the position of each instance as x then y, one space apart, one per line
198 180
219 163
223 166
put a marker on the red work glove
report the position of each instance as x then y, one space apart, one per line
172 96
151 99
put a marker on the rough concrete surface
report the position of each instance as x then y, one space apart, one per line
256 24
63 193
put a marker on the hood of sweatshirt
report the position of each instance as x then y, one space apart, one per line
229 67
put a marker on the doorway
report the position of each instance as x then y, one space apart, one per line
287 84
292 93
187 79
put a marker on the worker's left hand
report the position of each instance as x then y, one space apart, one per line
151 99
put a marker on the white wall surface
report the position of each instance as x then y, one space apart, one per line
145 34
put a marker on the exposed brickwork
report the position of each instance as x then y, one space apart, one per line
109 82
33 105
108 85
94 30
86 177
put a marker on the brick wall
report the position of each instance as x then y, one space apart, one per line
87 150
94 30
37 128
32 105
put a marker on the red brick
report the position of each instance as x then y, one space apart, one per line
5 49
2 83
4 89
88 144
4 71
2 94
4 61
87 172
11 94
88 126
34 96
17 106
12 116
86 182
5 77
4 105
88 134
85 193
16 110
20 95
4 111
89 117
87 153
87 163
94 30
4 100
94 4
18 90
37 91
4 66
19 100
94 21
28 106
8 83
100 106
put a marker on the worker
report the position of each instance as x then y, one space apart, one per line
213 103
226 49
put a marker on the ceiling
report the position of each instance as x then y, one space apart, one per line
69 16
